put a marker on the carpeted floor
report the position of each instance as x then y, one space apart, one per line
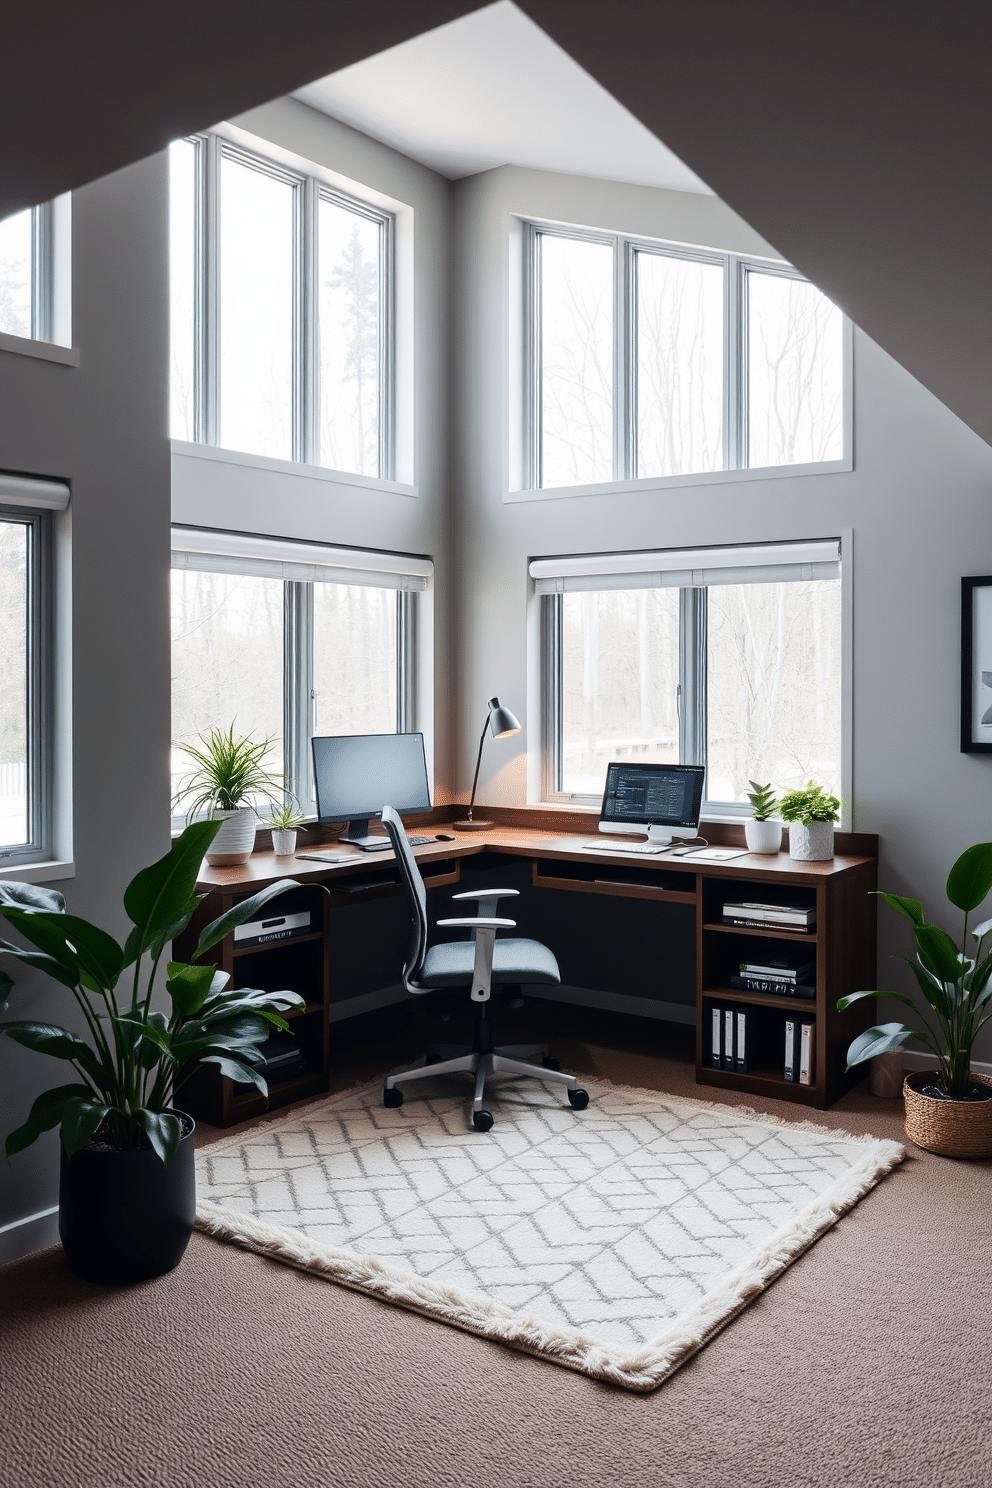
867 1363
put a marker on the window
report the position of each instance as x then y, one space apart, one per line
650 362
26 273
26 698
288 639
280 309
730 658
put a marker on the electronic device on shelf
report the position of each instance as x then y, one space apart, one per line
358 774
661 800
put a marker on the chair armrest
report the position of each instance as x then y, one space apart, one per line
488 894
480 924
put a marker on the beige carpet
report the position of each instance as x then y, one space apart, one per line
616 1241
867 1363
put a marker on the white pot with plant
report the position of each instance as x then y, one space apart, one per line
811 812
284 823
228 780
761 833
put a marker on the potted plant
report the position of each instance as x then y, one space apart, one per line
811 812
761 834
283 822
228 779
127 1184
949 1109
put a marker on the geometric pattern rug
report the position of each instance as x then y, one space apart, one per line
616 1240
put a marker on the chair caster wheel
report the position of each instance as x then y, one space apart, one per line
550 1063
578 1099
482 1120
392 1096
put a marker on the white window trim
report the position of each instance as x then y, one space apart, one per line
525 433
545 576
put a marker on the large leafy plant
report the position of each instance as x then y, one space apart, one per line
136 1058
229 773
955 985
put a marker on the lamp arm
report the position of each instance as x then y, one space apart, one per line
478 764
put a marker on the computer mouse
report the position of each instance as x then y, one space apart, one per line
444 837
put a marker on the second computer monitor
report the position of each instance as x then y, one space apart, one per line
357 774
662 800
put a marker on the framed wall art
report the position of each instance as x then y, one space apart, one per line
976 665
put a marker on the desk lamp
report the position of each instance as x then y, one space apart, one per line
503 725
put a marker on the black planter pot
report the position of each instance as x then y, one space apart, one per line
125 1216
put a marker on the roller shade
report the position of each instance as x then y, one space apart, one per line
26 490
307 563
687 568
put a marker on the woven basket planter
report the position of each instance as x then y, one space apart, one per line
952 1128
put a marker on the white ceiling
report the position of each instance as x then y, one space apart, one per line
493 89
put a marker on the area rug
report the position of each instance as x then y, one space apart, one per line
616 1241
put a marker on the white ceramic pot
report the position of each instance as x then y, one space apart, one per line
236 838
284 841
813 843
762 836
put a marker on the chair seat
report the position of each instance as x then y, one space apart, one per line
451 964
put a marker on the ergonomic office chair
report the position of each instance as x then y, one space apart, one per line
478 963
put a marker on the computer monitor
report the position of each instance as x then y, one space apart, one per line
358 774
661 800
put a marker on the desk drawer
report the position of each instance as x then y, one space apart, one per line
617 880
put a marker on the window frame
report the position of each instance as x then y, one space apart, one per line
40 687
210 149
626 246
42 259
692 689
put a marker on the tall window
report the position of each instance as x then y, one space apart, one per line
284 647
280 298
729 658
26 273
651 361
25 702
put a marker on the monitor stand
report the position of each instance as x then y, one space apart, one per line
357 835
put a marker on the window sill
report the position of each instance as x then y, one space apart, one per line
48 872
45 351
679 482
219 456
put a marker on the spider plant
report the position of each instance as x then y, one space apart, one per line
955 985
288 816
229 773
135 1059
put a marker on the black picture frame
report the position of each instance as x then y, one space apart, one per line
976 664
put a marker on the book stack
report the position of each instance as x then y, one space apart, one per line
281 1058
785 978
741 1039
800 1038
750 916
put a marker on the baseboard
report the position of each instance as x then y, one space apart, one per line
913 1061
33 1232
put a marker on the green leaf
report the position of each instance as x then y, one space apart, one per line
189 987
970 879
160 895
911 908
45 1113
938 953
879 1040
845 1002
73 943
67 975
242 1074
80 1120
980 931
933 989
163 1130
30 896
148 1028
240 913
48 1038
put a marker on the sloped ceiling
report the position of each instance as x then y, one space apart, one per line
855 137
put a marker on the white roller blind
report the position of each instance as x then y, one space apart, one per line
684 568
309 563
26 490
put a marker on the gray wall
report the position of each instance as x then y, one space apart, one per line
917 500
102 426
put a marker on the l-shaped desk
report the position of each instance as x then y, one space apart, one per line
655 914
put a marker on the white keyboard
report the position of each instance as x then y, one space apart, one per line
623 847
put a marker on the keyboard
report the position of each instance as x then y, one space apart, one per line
419 841
623 847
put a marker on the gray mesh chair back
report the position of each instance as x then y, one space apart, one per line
416 893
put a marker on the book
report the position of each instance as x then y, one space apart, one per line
716 1038
742 1043
728 1038
806 990
806 1056
790 1066
780 971
739 923
785 914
